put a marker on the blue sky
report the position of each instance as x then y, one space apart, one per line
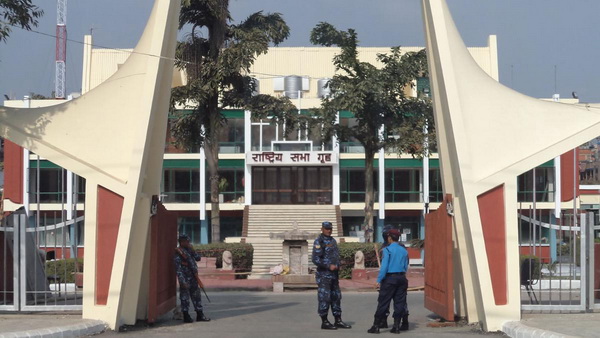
534 37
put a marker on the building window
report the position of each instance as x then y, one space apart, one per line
230 227
409 226
352 185
352 145
436 193
265 132
231 136
191 227
544 185
231 185
402 185
52 187
181 186
52 231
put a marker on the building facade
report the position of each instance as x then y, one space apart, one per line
271 182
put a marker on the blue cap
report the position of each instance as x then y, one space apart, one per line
327 225
184 237
387 228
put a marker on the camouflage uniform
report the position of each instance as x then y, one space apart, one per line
186 270
325 253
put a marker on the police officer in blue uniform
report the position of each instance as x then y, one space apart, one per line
326 257
187 272
384 234
393 284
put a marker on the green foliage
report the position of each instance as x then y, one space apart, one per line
17 13
216 67
377 97
216 56
596 240
65 268
347 251
241 253
536 267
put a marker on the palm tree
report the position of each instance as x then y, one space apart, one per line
216 56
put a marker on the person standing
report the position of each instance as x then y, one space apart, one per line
392 284
326 257
187 273
385 244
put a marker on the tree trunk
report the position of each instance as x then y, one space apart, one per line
369 195
216 40
211 149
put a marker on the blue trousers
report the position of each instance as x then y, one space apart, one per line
192 292
393 287
329 294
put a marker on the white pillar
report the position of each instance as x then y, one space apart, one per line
381 177
336 167
558 189
202 184
26 104
69 195
247 148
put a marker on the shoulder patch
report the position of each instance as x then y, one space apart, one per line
317 246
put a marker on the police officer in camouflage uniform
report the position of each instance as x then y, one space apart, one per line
326 257
187 273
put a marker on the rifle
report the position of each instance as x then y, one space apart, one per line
202 287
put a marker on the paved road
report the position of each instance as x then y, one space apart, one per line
291 314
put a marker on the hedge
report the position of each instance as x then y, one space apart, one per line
57 267
242 254
347 251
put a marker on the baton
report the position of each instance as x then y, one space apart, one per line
202 287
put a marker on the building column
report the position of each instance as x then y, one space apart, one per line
203 220
381 188
336 167
26 104
557 208
247 149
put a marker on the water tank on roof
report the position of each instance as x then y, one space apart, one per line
292 86
322 89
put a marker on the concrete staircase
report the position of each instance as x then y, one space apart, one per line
262 220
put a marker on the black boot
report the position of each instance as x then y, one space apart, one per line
340 324
200 317
404 325
375 327
383 324
326 324
187 318
396 327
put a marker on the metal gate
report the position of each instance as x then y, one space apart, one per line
40 270
558 268
439 282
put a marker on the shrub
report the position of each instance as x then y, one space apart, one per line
347 251
64 268
241 253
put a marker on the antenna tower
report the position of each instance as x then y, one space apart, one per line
61 49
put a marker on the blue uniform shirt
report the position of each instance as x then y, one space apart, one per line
325 252
395 259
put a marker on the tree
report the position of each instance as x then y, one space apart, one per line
378 98
217 68
17 13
